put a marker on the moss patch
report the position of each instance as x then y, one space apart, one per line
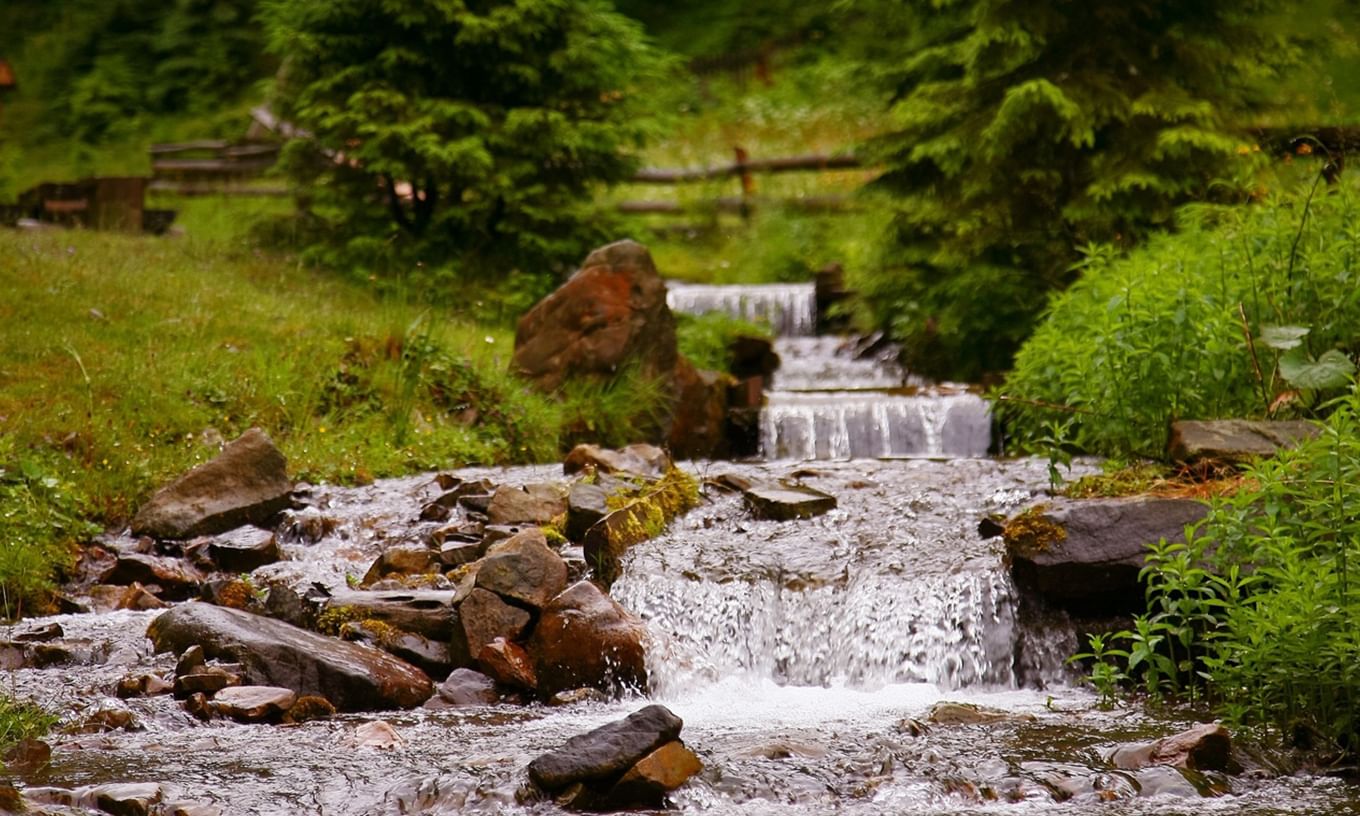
1032 532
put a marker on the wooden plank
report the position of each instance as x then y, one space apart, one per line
210 166
787 164
730 204
196 189
187 147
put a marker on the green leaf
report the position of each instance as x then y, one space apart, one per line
1283 338
1332 370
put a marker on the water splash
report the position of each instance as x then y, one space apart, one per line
855 425
829 363
789 309
871 631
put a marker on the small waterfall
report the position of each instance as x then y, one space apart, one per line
860 425
952 630
829 403
789 309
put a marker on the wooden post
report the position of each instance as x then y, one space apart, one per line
748 182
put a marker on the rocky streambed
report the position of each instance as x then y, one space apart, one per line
866 657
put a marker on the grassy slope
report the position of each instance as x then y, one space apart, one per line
121 352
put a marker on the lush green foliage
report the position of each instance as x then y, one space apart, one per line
121 352
101 67
707 339
1259 606
443 130
1161 334
21 719
1025 128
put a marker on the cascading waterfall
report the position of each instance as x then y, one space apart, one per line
789 309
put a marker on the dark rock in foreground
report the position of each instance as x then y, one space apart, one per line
1084 555
608 751
246 484
353 677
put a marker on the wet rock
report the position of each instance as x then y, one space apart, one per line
464 687
1168 781
176 580
608 751
1084 555
476 502
523 569
253 704
578 696
137 597
642 518
585 639
353 677
27 756
586 505
430 656
948 713
402 560
457 553
142 685
208 680
1235 441
307 526
779 502
245 551
698 423
307 708
191 660
199 707
493 533
427 612
123 799
646 784
532 504
74 652
109 718
508 664
283 603
376 734
247 483
1205 747
486 617
610 313
39 633
231 592
462 531
643 460
11 801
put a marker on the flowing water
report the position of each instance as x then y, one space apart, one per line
801 655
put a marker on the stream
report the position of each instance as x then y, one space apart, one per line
803 656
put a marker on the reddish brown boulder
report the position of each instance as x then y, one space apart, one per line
698 427
610 313
531 504
641 459
508 664
584 638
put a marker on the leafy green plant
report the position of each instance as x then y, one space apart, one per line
707 339
21 719
1105 666
1245 311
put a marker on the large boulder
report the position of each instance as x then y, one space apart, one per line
523 570
246 484
608 751
612 312
274 653
1234 441
585 638
1084 555
538 503
698 427
641 460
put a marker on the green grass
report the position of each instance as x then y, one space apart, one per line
120 352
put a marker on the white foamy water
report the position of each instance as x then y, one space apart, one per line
789 309
857 425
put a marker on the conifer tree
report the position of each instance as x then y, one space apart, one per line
463 130
1025 129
